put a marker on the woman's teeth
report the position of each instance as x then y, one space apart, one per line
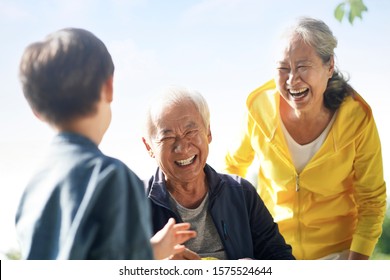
298 92
185 161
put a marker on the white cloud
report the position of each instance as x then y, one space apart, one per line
133 66
12 11
225 11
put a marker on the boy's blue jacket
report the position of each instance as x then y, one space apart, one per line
245 226
82 204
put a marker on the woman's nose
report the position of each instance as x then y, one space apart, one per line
293 77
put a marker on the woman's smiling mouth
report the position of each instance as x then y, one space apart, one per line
299 93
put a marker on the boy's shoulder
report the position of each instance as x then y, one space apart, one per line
73 155
116 166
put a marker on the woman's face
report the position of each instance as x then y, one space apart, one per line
301 76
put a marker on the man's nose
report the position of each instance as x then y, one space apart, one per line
181 145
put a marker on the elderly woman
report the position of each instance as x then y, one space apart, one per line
226 211
320 173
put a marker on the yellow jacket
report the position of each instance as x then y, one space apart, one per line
338 201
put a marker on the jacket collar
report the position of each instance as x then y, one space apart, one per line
263 108
352 117
157 190
73 138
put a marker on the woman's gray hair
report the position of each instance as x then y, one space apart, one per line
318 35
175 95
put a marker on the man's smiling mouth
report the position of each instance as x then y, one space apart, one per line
185 162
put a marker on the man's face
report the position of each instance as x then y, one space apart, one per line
181 143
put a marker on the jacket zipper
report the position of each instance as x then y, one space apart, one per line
297 183
298 213
225 231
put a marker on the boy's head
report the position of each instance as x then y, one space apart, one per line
62 76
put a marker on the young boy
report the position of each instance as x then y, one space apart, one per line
82 204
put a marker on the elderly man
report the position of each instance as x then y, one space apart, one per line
231 220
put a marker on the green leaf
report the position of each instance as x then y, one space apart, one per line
356 10
339 12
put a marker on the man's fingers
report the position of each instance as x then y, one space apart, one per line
190 255
178 249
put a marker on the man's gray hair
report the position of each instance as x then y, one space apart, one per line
175 95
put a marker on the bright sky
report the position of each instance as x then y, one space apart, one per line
223 48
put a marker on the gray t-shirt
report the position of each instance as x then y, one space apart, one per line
207 243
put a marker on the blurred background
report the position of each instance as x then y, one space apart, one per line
222 48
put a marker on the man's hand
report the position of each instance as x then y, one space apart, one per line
187 254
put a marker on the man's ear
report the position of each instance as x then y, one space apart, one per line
209 135
108 89
148 148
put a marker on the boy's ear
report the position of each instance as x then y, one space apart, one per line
108 89
37 115
148 148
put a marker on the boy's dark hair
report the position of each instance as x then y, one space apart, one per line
62 76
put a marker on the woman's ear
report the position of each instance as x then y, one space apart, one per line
331 66
148 148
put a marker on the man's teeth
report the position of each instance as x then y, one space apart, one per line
185 161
